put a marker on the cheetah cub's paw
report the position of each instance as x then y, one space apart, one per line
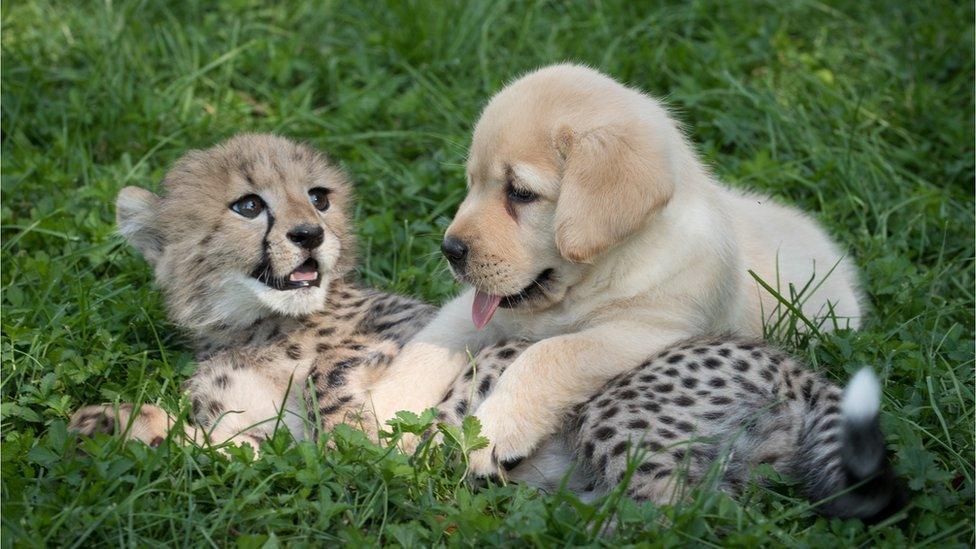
150 424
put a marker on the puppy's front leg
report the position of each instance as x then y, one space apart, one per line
420 375
535 394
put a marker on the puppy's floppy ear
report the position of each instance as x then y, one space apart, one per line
136 212
613 179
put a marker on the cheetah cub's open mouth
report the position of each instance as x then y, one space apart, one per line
305 275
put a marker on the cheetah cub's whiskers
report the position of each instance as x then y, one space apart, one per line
251 247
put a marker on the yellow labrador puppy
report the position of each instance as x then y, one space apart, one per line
591 227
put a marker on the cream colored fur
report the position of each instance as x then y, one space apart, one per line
646 246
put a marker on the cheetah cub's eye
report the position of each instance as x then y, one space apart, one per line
248 205
319 197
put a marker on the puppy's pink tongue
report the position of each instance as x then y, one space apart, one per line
483 308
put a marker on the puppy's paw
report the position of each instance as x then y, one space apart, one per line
508 444
485 465
150 425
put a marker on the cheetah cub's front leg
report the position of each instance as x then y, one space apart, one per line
339 380
476 382
151 424
236 397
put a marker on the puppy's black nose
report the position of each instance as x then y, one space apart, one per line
455 251
307 236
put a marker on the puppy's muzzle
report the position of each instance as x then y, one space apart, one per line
456 253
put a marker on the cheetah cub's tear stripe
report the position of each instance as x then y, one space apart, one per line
702 412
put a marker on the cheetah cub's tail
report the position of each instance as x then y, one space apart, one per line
843 460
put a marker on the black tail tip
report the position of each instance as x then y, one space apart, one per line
878 498
871 491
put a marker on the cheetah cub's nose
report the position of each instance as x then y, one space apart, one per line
307 236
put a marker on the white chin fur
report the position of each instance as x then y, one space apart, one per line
245 300
299 302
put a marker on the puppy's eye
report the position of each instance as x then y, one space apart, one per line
518 194
249 206
319 198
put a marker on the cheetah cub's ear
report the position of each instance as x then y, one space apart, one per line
135 216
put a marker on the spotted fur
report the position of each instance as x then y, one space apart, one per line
268 358
704 413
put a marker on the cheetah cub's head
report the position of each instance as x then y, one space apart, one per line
252 227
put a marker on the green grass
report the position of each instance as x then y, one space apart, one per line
860 112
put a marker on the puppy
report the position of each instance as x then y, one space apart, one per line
591 227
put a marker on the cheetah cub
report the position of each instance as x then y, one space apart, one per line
705 414
251 247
